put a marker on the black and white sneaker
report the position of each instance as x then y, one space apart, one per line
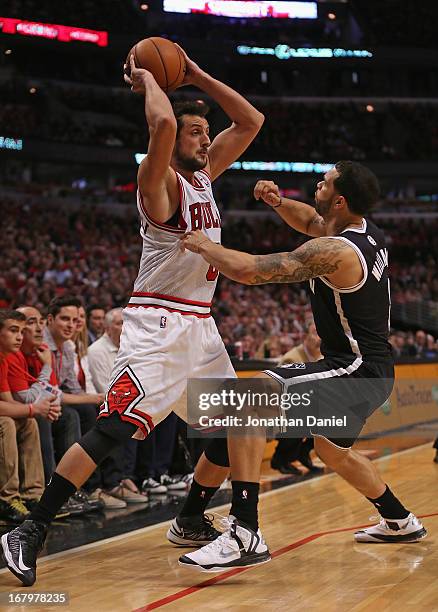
192 530
21 547
409 529
152 487
239 546
173 483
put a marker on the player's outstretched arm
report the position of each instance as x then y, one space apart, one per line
298 215
320 257
247 120
154 173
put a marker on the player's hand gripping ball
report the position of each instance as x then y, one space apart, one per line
165 60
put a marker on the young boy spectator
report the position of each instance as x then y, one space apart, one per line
21 466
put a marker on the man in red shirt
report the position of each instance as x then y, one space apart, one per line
19 438
32 376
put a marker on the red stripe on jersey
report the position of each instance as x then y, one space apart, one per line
193 314
182 203
171 298
206 173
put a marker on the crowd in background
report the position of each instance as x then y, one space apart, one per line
94 254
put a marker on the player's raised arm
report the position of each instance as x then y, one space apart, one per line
328 257
246 120
154 172
298 215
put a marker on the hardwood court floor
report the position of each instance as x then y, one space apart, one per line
317 565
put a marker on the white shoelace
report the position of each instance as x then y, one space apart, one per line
224 541
383 521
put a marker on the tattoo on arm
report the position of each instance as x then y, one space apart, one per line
315 258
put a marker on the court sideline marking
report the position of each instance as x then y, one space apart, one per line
136 532
234 572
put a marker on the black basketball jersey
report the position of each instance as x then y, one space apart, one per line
353 323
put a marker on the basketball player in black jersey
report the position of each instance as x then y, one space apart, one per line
346 265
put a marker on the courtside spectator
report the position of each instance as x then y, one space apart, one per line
95 321
101 357
307 350
102 353
80 343
61 324
31 377
21 465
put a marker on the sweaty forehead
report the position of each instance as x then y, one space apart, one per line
194 120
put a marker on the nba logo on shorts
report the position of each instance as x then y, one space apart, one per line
163 322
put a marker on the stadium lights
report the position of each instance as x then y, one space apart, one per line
13 144
53 31
284 52
270 9
282 166
270 166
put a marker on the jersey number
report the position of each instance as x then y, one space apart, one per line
212 273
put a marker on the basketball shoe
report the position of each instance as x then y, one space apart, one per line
21 547
192 530
238 546
408 529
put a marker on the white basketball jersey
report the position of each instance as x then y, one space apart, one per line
169 277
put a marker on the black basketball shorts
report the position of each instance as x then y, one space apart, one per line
336 396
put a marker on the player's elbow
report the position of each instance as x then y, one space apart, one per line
259 119
256 121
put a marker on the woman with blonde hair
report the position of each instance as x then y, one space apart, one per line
80 341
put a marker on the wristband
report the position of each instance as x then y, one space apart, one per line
279 204
30 411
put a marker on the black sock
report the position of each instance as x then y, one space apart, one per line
197 499
55 495
389 506
245 502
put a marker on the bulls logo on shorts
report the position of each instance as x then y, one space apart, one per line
124 394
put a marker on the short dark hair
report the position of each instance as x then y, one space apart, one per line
196 108
94 307
54 308
358 185
15 315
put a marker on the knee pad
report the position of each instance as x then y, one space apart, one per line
217 452
107 434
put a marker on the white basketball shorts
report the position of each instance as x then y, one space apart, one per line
159 350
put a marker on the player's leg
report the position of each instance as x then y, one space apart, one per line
128 409
398 524
192 527
242 543
22 545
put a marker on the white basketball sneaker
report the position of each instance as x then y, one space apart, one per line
409 529
238 546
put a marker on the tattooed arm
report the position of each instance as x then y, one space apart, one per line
319 257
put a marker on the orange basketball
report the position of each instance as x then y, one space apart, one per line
161 57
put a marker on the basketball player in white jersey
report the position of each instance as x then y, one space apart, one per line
168 334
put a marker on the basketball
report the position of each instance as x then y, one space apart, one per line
162 58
